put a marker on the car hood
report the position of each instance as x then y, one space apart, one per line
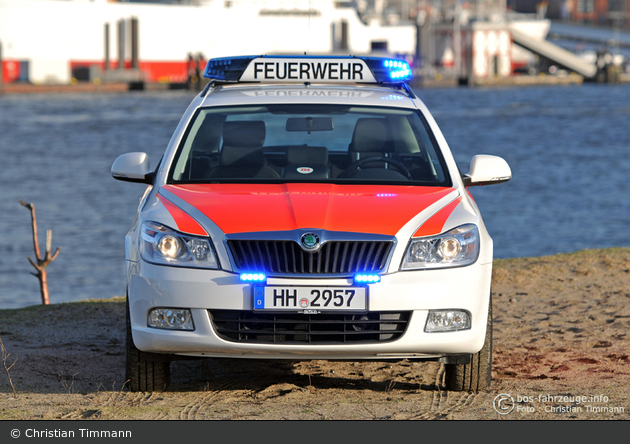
246 208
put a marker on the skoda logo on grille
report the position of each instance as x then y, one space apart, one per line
310 242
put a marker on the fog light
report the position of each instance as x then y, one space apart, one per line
447 320
171 319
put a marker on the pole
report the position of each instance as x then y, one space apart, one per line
457 42
106 46
121 44
470 73
418 53
135 59
344 36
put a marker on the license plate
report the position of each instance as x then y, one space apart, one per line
310 299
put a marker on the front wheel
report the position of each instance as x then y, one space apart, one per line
476 375
143 373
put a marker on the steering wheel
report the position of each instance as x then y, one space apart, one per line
354 166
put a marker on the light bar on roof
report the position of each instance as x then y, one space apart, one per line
301 69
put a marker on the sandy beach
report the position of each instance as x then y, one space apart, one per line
561 351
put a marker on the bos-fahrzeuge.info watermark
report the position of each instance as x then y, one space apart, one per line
505 404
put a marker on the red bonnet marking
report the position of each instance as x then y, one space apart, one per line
435 224
243 208
185 223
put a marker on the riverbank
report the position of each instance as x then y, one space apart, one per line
560 352
87 87
422 82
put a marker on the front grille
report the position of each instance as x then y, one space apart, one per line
252 327
287 257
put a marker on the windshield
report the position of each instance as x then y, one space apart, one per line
309 143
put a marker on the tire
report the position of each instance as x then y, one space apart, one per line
143 373
477 375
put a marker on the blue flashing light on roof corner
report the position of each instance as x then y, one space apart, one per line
300 69
389 70
227 69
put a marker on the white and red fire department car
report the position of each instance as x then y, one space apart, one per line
309 208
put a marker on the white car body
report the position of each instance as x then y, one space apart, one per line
396 212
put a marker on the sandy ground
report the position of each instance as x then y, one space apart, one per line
561 351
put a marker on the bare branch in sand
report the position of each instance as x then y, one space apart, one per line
40 263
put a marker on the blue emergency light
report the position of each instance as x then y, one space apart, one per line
384 70
389 70
228 69
253 277
367 278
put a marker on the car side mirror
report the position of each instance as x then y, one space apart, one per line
487 170
133 167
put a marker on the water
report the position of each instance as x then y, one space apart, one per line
567 146
57 152
569 151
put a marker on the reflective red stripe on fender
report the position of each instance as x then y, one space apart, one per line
435 224
246 208
185 223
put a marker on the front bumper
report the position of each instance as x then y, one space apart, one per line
152 286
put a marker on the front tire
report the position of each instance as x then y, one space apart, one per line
142 373
477 375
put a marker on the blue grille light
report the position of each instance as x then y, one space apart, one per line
366 278
253 277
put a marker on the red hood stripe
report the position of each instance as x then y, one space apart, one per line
435 224
243 208
185 223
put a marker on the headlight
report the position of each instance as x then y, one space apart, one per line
454 248
161 245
